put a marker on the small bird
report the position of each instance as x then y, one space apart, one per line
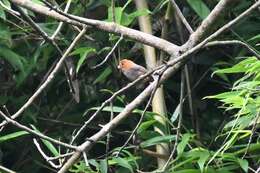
130 69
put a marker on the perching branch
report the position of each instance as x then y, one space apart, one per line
179 55
139 36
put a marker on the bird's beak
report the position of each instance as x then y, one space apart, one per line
118 67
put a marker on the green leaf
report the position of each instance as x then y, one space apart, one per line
255 38
2 10
204 155
157 140
83 52
51 147
122 17
118 14
103 166
247 85
160 6
102 77
128 19
182 145
145 125
220 75
5 35
116 109
224 95
199 7
124 163
93 162
13 136
243 122
243 164
2 13
241 67
48 144
14 59
176 113
188 171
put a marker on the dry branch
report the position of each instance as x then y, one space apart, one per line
172 66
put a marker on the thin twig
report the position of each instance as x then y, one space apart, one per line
7 111
184 56
6 170
44 155
129 108
258 170
109 134
179 123
252 133
108 55
129 85
11 11
61 23
60 156
45 36
238 42
141 118
181 16
85 158
35 133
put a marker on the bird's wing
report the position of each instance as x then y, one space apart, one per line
140 69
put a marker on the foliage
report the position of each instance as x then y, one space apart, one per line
218 143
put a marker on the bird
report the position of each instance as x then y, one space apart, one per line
130 69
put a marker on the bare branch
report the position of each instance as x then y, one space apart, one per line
178 133
252 133
105 26
67 65
248 47
11 11
61 23
142 116
174 66
212 36
205 26
35 133
6 170
110 100
181 16
44 155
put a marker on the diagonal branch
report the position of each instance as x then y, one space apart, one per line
181 16
172 66
35 133
206 24
111 27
